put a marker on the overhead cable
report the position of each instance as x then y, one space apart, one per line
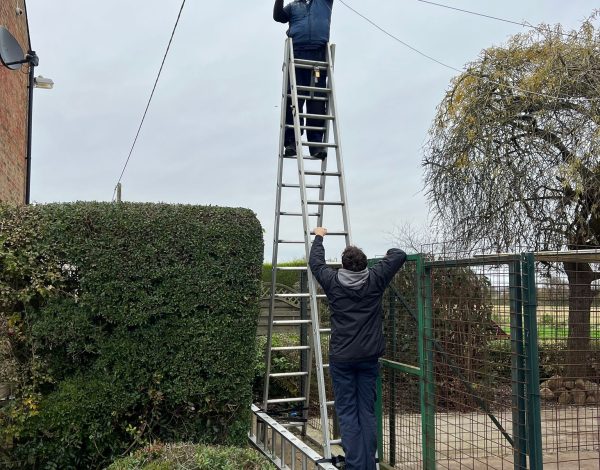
497 18
455 69
150 99
414 49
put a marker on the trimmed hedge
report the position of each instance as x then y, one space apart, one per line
288 278
136 322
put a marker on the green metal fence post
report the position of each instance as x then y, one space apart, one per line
379 413
304 381
534 424
392 380
517 366
425 345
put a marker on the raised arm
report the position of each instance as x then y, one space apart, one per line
387 268
323 273
279 13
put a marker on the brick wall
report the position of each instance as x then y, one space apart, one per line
13 111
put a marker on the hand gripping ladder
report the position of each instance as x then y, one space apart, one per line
312 216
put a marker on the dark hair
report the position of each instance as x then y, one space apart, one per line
353 259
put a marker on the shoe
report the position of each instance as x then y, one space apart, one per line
318 152
289 151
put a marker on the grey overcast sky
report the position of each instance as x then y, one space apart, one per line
211 133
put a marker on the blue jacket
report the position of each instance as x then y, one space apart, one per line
355 301
309 21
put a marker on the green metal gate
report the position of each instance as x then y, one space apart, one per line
473 359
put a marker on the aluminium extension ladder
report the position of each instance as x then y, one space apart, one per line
312 216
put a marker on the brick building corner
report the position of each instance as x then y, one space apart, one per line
13 110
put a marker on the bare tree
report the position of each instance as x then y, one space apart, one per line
514 156
412 238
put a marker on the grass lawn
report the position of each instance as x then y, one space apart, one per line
560 332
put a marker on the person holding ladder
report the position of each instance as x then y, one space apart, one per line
355 295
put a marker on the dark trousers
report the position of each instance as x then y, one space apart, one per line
354 388
303 78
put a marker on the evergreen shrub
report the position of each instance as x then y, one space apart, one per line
128 323
288 278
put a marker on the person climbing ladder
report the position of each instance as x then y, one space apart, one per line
309 27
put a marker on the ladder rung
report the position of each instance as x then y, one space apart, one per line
325 203
310 61
307 128
335 442
326 331
290 322
318 144
300 214
285 400
291 348
325 366
308 186
311 98
304 268
290 241
315 89
281 375
319 117
334 233
298 294
291 296
310 64
330 403
322 173
304 157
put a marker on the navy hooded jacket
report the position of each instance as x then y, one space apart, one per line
355 302
309 21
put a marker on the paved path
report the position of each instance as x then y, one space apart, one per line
464 441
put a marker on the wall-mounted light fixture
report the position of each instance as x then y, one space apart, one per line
43 82
12 57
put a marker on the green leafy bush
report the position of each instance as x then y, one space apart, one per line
288 278
128 323
193 457
552 358
462 329
288 361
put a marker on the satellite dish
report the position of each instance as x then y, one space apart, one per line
11 53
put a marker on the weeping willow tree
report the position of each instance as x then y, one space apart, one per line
514 157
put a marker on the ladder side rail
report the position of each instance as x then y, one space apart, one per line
316 346
318 354
336 133
303 198
276 228
302 455
321 211
309 355
291 76
296 111
323 179
328 110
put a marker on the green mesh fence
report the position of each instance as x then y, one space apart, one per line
568 327
493 362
